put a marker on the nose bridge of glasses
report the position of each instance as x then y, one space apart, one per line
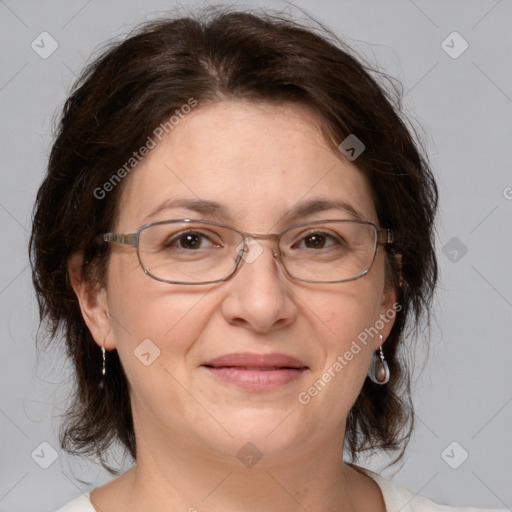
261 236
250 249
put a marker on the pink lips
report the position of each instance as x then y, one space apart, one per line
256 371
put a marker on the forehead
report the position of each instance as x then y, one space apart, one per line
257 161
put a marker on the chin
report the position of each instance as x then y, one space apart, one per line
272 431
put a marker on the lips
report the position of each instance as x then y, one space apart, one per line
256 362
256 372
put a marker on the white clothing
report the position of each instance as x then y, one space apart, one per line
396 497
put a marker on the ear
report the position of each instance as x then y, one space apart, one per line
93 302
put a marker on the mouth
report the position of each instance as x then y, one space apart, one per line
256 368
258 372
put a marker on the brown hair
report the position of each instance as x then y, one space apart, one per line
212 55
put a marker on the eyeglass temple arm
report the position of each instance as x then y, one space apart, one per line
386 236
121 238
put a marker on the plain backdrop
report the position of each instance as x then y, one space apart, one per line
461 449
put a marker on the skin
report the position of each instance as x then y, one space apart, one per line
259 161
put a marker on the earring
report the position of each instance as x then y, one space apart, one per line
103 371
379 370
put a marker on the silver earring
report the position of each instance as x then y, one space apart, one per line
379 370
103 371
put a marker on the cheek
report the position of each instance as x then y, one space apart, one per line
159 328
342 358
142 309
342 319
344 312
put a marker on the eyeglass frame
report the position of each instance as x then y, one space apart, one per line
384 236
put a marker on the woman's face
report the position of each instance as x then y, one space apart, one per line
259 163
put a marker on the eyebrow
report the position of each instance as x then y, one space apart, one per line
319 205
213 208
201 206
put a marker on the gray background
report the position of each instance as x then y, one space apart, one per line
464 392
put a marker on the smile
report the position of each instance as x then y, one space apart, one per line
256 378
256 371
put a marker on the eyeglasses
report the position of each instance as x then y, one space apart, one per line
188 251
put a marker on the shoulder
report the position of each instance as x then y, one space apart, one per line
80 504
399 499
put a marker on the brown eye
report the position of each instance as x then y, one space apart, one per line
318 240
190 241
315 241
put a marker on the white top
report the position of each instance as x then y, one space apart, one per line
396 497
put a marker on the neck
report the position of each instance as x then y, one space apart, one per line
174 475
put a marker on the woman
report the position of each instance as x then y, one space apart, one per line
234 231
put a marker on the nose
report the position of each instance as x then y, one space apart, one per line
258 296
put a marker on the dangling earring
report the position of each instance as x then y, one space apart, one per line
103 371
379 370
